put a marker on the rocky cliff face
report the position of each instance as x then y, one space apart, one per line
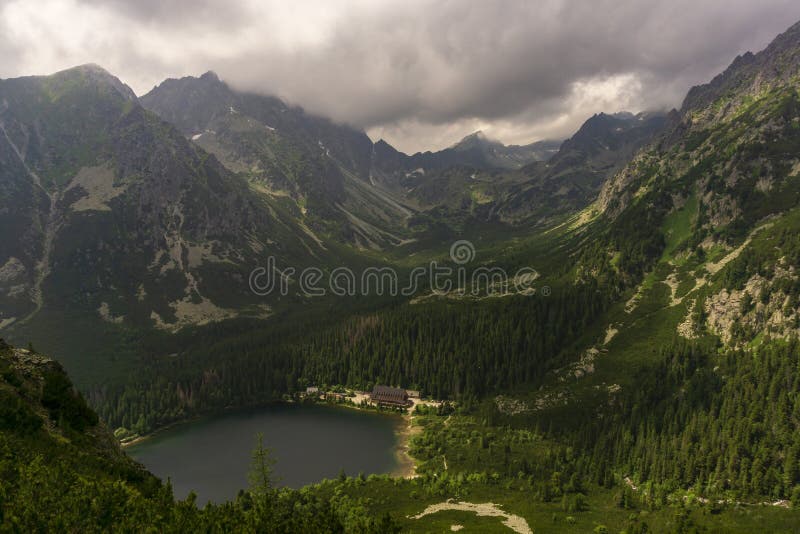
749 75
572 178
323 169
51 438
341 184
108 208
201 106
713 201
475 151
734 143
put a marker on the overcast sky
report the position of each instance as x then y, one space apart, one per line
421 74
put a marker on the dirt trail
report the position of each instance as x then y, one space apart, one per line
514 522
714 268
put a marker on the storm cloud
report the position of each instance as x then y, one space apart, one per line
419 73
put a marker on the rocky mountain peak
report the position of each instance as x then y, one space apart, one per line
92 74
750 73
474 140
210 76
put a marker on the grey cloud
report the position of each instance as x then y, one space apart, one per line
444 62
171 13
421 71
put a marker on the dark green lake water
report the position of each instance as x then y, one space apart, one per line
212 456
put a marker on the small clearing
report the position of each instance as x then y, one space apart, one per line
189 312
610 333
98 184
673 283
11 270
105 313
514 522
686 329
633 302
714 268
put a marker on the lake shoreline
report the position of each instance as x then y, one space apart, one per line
311 442
232 409
406 467
406 463
195 418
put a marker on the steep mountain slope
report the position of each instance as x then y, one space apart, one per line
727 166
54 449
664 363
321 168
117 223
721 186
194 104
110 211
735 138
540 191
475 150
573 176
62 470
483 152
339 182
22 241
693 372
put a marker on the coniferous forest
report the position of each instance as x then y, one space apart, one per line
639 373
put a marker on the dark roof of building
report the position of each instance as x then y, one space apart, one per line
387 393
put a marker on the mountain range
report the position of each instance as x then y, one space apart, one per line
146 211
649 377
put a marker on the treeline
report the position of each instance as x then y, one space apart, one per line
457 350
473 448
43 495
61 472
721 424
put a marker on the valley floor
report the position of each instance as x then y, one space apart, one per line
445 504
468 494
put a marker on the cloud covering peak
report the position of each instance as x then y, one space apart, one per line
420 73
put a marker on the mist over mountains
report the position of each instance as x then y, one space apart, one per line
646 378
